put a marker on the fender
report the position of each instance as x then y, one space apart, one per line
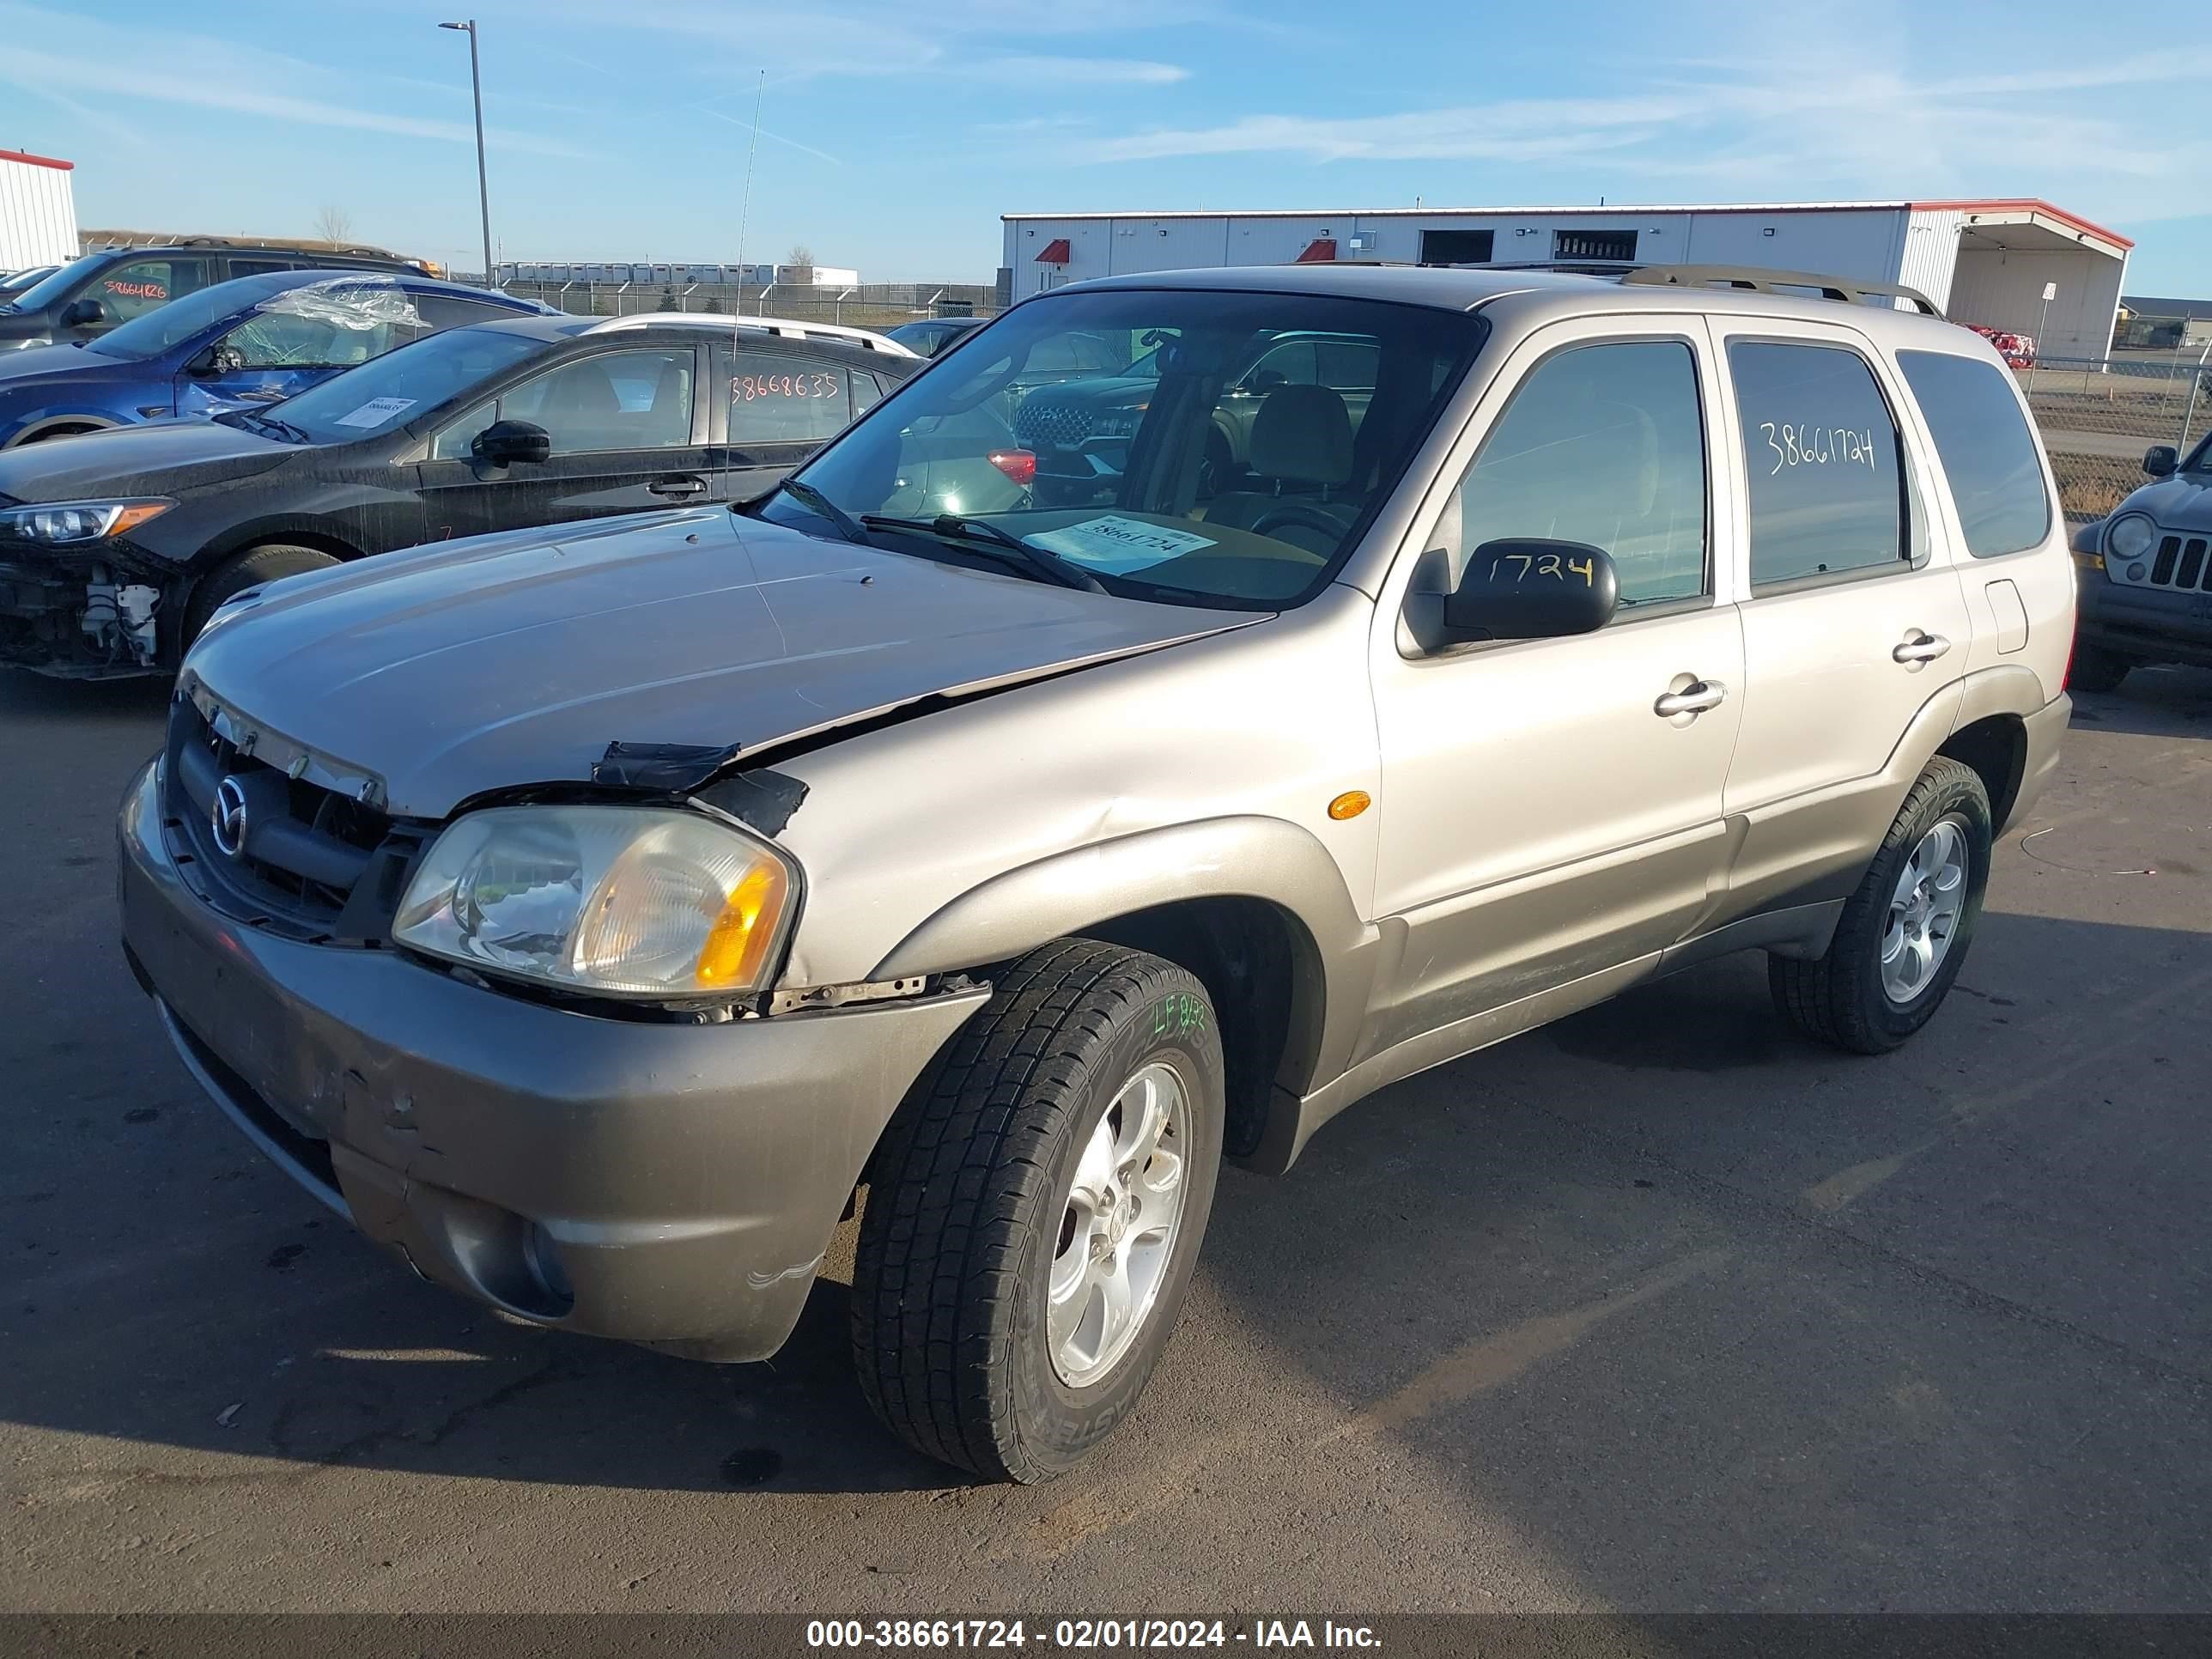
2007 688
48 420
1242 857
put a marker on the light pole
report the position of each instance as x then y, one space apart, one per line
483 189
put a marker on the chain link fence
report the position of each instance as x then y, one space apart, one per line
871 305
2097 414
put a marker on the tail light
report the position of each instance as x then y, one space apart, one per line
1020 465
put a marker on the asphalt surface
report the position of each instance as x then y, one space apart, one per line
1661 1308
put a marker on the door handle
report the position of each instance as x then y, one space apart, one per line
1693 699
1921 647
679 486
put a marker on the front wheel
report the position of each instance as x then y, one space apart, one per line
1035 1211
269 562
1905 931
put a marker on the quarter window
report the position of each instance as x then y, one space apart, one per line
784 400
1821 452
1601 444
1988 455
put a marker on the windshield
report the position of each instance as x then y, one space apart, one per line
2202 460
166 327
405 385
1202 481
56 287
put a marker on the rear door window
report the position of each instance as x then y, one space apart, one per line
138 286
779 399
1822 453
1988 454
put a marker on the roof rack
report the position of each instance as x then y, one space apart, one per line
1848 289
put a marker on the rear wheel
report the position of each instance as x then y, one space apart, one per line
1904 933
257 565
1035 1211
2096 668
53 432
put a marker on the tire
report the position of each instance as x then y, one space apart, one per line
974 1216
1841 998
251 568
54 432
2096 668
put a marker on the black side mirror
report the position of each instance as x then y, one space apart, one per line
1266 379
2160 460
83 313
504 443
1532 588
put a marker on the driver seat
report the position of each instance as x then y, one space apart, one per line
1300 451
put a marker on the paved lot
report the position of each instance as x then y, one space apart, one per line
1657 1309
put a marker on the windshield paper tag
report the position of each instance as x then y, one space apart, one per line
1116 544
377 412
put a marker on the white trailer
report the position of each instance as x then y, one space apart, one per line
37 210
1983 263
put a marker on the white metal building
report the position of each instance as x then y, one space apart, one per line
37 210
1983 263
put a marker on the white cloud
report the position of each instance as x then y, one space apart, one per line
1818 119
1029 71
202 72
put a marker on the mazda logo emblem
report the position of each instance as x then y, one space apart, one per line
227 817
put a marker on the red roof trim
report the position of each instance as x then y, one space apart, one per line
1319 252
37 161
1055 253
2028 204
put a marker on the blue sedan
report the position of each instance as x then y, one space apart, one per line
252 340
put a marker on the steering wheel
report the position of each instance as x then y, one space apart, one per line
1300 515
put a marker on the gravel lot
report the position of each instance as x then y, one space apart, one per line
1656 1309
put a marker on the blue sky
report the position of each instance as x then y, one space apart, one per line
894 134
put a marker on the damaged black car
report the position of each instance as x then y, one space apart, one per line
117 547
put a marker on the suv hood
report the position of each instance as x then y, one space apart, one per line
515 659
159 458
2183 503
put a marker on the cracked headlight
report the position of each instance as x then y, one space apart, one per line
619 901
63 524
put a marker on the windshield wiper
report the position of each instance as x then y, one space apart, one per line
285 429
807 495
989 539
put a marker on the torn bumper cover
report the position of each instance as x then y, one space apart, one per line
669 1184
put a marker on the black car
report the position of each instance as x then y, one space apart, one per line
932 334
116 548
2144 586
85 298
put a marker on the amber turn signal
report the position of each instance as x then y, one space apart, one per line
1350 805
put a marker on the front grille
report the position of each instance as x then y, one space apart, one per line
2181 564
1042 424
312 862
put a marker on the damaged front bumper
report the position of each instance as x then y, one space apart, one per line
81 616
674 1185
